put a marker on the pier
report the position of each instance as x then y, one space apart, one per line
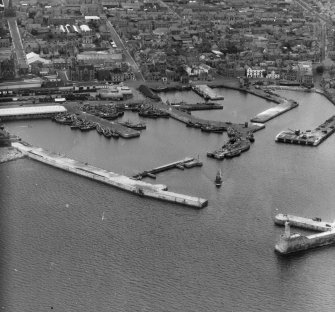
273 112
207 92
308 137
140 188
187 162
294 242
314 224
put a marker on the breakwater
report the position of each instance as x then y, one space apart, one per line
308 137
273 112
139 188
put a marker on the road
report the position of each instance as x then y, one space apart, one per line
169 8
323 21
119 43
17 41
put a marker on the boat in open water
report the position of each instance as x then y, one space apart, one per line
218 179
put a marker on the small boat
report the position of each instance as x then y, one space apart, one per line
218 179
100 130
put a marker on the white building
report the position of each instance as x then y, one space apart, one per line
255 72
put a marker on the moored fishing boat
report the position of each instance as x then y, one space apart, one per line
138 126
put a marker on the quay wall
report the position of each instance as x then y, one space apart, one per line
125 183
27 117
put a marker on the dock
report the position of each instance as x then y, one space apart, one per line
140 188
273 112
308 137
187 162
294 242
206 92
314 224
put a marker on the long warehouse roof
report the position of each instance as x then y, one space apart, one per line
31 110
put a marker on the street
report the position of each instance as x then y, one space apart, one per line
116 38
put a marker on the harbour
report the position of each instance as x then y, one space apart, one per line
143 240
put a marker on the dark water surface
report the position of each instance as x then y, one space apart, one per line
76 245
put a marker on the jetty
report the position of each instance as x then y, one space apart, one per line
187 162
308 137
273 112
294 242
140 188
206 92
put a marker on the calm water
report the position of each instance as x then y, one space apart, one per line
77 245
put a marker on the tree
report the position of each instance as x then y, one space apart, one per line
320 69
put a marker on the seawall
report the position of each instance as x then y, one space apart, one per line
158 191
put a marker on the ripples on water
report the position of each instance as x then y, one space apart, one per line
77 245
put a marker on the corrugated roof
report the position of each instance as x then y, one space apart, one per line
31 110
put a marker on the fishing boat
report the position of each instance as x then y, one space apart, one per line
138 126
107 133
99 129
218 179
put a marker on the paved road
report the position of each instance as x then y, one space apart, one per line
116 38
17 43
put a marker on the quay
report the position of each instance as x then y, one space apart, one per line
187 162
186 118
206 92
30 112
140 188
289 243
197 106
308 137
123 131
273 112
314 224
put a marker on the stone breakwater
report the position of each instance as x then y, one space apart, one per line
9 153
140 188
